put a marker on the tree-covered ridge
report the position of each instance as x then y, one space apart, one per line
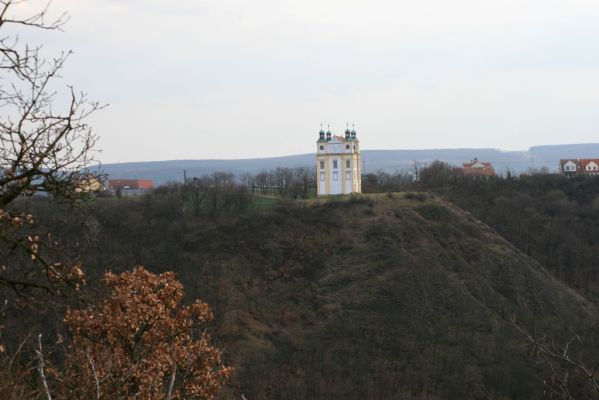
386 296
552 218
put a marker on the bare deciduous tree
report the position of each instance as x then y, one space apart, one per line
571 375
45 141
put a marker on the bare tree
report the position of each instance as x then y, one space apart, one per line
263 181
572 376
45 143
42 148
306 181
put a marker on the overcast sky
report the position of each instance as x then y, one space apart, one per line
193 79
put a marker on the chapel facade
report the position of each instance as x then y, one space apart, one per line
338 164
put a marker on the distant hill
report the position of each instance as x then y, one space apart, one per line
549 155
376 297
388 160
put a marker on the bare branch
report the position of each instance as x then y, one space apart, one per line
18 351
95 374
171 383
41 366
550 357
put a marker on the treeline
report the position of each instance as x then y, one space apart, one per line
296 289
290 183
552 218
222 191
210 194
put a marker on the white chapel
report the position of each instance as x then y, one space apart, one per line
338 166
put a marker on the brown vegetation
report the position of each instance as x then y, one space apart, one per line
139 342
135 341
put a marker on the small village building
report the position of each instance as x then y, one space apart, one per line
89 184
478 168
130 186
581 166
338 164
569 166
590 166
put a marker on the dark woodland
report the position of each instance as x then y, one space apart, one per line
450 288
429 285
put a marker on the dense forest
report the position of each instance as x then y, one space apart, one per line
552 218
439 287
398 295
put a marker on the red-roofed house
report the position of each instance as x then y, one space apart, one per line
478 168
130 184
570 166
590 166
586 166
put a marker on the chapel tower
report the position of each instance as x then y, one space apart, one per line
338 165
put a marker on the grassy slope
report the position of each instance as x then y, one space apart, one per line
378 297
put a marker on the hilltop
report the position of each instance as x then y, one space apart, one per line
382 296
387 160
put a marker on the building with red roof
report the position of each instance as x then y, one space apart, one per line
590 166
586 166
130 184
570 166
478 168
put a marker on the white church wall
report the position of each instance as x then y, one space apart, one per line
335 148
322 185
335 185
